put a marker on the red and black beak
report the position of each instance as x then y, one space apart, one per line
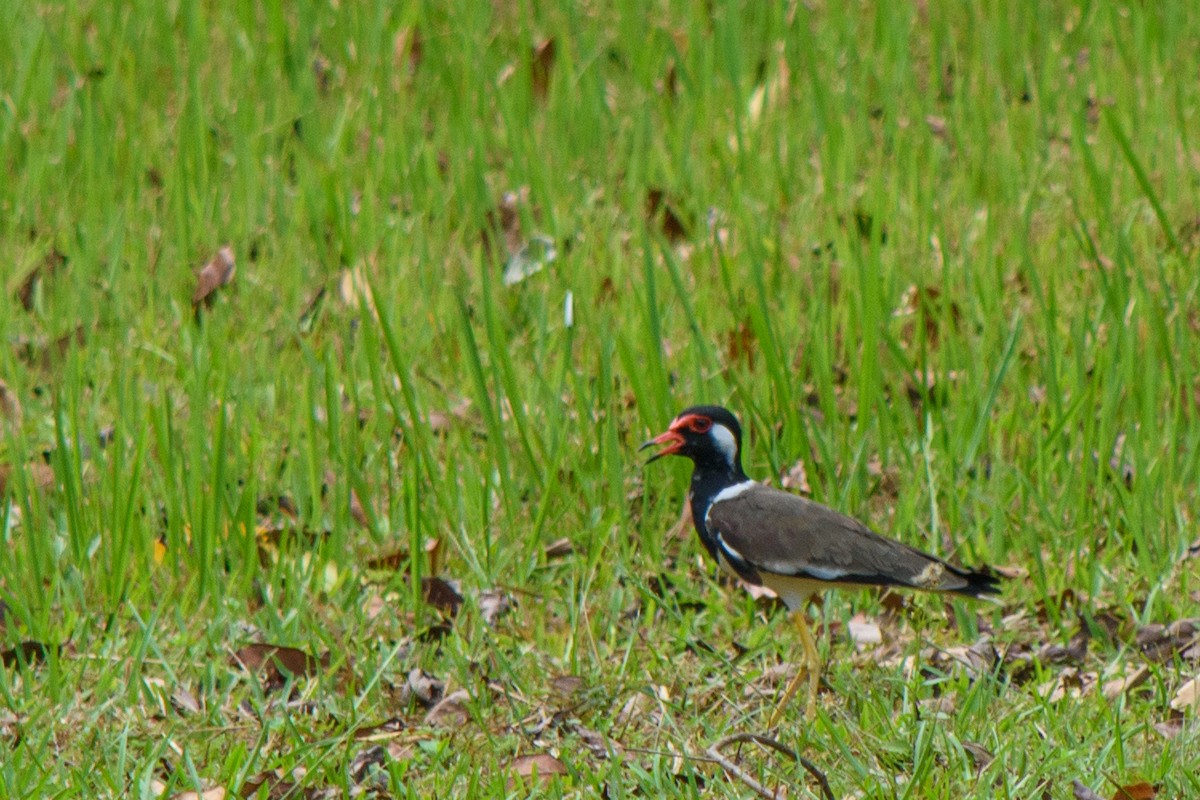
671 438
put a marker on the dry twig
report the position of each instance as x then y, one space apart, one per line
714 752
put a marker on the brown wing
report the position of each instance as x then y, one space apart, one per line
768 530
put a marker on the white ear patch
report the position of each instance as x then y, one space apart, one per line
723 438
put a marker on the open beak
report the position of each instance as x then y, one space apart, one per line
671 439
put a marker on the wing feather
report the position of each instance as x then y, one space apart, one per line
784 534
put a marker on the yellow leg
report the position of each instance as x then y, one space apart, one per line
810 665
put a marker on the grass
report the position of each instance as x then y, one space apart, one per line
943 257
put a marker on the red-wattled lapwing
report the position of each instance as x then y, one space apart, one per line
793 546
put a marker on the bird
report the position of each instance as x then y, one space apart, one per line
792 545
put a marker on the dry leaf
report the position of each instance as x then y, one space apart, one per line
1119 686
863 632
1070 683
1162 642
1172 726
277 663
493 604
541 766
369 763
566 684
559 548
27 654
355 291
542 63
389 561
796 479
216 273
980 755
27 291
184 702
277 783
1188 696
441 595
1136 791
422 687
450 712
661 209
215 793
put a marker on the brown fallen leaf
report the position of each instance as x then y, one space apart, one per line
369 763
796 479
1188 696
389 561
1136 791
441 595
1163 642
212 276
566 684
542 62
559 548
185 703
277 663
215 793
27 290
277 783
1172 726
980 755
451 711
539 766
1071 682
28 654
1119 686
661 209
422 687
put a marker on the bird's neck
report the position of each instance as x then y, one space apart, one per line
708 480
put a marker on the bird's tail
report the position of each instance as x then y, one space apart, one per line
974 582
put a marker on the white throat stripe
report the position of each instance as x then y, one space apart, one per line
730 492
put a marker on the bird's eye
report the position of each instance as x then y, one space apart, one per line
700 424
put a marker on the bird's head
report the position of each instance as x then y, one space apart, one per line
708 435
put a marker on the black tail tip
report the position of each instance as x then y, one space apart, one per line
984 582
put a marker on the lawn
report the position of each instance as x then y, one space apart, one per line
354 507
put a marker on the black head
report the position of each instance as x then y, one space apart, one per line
709 435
